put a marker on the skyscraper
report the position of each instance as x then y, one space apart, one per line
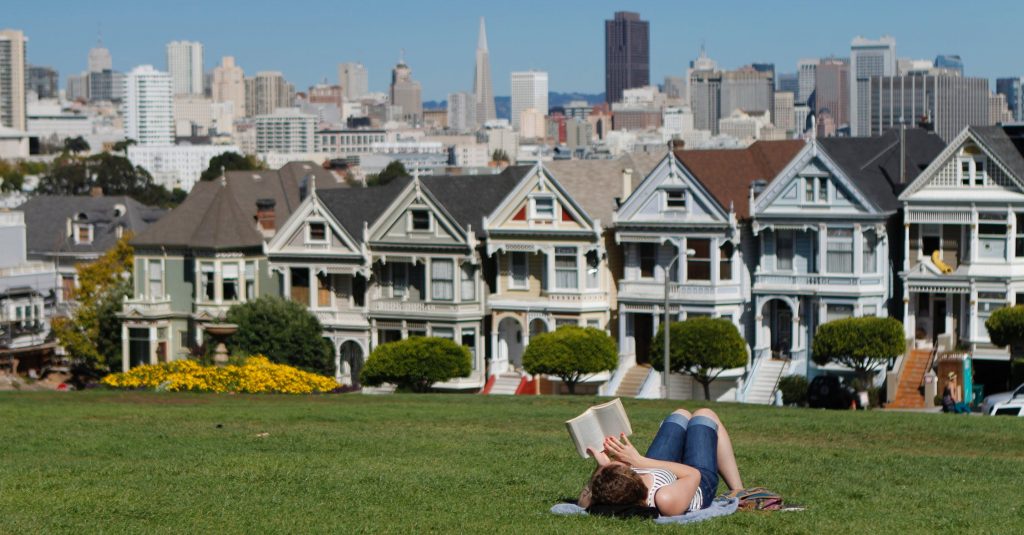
948 102
783 115
529 91
832 95
483 92
705 99
185 64
229 85
867 58
99 58
1011 87
12 79
952 62
805 73
627 54
462 112
266 92
43 80
406 92
147 106
353 79
747 89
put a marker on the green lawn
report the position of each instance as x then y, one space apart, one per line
151 463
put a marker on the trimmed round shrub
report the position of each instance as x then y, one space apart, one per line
571 353
414 364
862 344
702 348
794 390
285 331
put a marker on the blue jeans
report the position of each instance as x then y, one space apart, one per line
692 442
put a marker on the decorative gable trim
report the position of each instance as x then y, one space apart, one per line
516 206
416 192
939 164
805 157
311 206
667 169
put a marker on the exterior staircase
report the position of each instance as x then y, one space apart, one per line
630 385
506 384
907 394
763 389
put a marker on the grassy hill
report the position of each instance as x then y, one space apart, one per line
147 462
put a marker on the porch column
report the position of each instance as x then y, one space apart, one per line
716 263
950 313
124 346
973 230
494 346
1011 234
822 242
313 288
374 339
909 319
858 250
623 347
286 279
681 248
152 344
906 250
337 360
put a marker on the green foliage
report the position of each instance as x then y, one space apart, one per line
1006 328
571 353
394 170
115 175
862 344
92 335
122 146
230 161
500 155
12 176
414 364
702 348
76 145
284 331
794 390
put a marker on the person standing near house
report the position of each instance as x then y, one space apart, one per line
952 399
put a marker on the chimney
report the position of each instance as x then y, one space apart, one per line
95 191
627 183
677 144
265 213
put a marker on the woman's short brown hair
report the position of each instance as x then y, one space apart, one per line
617 484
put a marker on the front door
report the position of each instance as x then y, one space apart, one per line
643 329
782 329
938 316
138 347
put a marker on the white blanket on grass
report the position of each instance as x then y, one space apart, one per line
722 506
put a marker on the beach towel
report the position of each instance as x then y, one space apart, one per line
722 506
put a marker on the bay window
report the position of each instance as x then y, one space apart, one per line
698 266
323 290
519 269
250 280
442 280
784 250
839 250
156 279
870 252
229 281
566 268
648 253
725 261
467 287
207 281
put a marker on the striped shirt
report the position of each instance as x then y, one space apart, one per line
664 477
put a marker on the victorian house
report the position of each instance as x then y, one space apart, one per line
963 252
829 233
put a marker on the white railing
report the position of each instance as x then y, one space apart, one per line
677 290
816 280
341 317
151 306
574 297
423 307
760 355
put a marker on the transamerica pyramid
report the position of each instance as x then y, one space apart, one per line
483 92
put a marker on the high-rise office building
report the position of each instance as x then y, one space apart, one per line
43 80
12 79
462 111
229 85
266 92
675 87
787 81
947 102
105 86
99 58
832 95
805 73
354 81
868 58
1011 87
747 89
952 62
407 93
998 111
529 91
185 64
77 87
483 91
285 130
148 106
627 54
705 101
782 115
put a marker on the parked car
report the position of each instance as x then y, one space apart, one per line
829 392
1013 407
990 401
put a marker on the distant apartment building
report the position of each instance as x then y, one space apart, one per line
705 99
185 65
200 116
627 54
344 142
229 85
43 81
147 106
461 112
747 89
286 130
868 58
529 90
326 94
12 79
578 109
1011 87
947 102
266 92
406 93
104 86
353 79
998 111
176 166
806 74
832 94
787 81
782 113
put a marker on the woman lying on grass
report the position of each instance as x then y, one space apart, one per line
679 474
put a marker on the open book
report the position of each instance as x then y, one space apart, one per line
589 429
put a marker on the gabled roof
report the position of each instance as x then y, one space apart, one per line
354 206
873 163
595 184
728 173
1006 144
46 218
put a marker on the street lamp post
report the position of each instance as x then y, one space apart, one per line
668 281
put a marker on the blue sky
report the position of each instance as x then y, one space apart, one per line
307 39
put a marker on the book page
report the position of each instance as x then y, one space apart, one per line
612 418
585 432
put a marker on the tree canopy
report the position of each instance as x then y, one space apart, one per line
393 170
230 161
415 364
283 331
862 344
499 155
571 353
76 144
115 175
1006 328
700 347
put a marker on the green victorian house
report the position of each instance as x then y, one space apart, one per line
207 255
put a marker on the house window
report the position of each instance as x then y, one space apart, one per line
443 332
156 279
543 208
520 271
784 250
250 280
323 290
808 190
823 189
229 282
972 172
1019 237
593 276
675 199
420 220
989 302
725 261
442 280
318 232
300 285
992 241
562 322
594 323
399 277
566 268
816 190
870 252
469 341
698 266
648 253
838 312
467 287
208 277
83 233
839 250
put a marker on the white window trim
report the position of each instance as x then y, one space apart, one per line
255 280
200 288
665 198
533 208
87 226
309 232
239 281
972 162
430 220
817 182
163 277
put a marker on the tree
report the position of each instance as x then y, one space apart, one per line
862 344
76 144
499 155
1006 328
122 146
571 353
284 331
394 170
11 177
91 336
415 364
702 348
115 175
230 161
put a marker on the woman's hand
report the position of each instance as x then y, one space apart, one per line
600 456
622 450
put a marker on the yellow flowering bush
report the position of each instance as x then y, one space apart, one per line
256 376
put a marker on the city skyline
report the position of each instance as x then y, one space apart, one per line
62 41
